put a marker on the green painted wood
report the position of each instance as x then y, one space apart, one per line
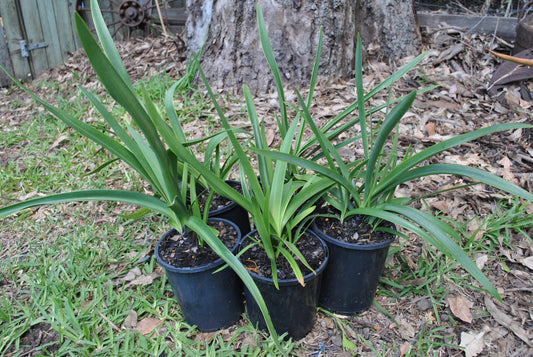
71 11
51 22
50 30
37 21
5 60
65 35
14 33
34 34
63 16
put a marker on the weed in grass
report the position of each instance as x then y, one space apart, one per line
420 272
68 285
155 85
425 276
429 341
510 223
510 220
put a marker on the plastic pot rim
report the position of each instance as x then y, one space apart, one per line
353 246
293 281
227 207
191 270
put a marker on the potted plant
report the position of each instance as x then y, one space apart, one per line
157 149
285 259
363 194
273 252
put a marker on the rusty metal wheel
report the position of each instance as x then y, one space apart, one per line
131 18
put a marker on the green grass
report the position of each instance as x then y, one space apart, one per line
72 281
61 267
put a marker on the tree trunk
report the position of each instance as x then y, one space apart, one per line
233 55
388 28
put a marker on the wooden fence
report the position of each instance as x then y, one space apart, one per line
39 34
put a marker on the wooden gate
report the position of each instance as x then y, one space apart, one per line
39 34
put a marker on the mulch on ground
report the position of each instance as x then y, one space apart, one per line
462 66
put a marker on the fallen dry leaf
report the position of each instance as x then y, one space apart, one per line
528 262
204 336
407 331
507 174
59 140
430 128
481 260
460 307
473 227
136 277
473 342
440 205
132 274
505 320
144 279
270 136
147 325
404 348
131 320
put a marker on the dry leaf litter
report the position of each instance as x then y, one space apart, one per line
462 66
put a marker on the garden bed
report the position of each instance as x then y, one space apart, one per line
120 301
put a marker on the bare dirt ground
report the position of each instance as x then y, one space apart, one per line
463 68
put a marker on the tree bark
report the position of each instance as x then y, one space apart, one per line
232 51
389 29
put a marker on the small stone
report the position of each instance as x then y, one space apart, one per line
336 340
444 317
424 305
329 322
366 333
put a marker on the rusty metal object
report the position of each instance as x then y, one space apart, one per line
133 13
129 16
524 29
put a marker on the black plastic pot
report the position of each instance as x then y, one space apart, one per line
293 307
351 278
234 213
209 301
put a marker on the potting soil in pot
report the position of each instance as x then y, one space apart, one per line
356 231
208 297
185 251
292 307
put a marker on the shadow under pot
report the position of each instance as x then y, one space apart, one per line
293 307
351 279
209 300
230 210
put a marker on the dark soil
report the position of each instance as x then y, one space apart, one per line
185 251
39 340
354 230
256 260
